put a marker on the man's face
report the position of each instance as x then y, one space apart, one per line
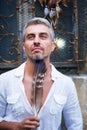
38 44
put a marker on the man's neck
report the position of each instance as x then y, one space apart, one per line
31 66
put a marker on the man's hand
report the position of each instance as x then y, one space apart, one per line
30 123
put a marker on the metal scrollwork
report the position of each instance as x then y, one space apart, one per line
9 41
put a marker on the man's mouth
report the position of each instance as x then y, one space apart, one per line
37 50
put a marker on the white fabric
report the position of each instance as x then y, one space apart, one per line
14 105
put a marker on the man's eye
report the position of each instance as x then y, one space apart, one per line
30 37
43 36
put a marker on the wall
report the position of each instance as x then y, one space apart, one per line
81 86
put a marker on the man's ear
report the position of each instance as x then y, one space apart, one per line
54 47
23 46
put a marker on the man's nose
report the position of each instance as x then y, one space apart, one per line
37 41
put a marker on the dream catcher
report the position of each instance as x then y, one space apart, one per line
52 10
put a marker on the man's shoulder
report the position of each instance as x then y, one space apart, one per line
11 71
60 75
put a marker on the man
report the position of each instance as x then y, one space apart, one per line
34 95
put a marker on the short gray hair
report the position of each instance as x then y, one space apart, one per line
39 20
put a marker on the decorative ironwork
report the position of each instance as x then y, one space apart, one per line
9 41
65 25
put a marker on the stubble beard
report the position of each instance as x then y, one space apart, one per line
36 58
39 63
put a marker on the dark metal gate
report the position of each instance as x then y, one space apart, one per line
14 14
9 40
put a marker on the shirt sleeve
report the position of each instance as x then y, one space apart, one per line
72 112
2 98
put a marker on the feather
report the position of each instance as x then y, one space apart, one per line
46 11
37 87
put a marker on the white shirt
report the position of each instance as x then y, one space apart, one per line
14 105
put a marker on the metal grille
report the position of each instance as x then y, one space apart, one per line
82 33
71 24
9 45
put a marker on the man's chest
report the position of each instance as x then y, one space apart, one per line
29 91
